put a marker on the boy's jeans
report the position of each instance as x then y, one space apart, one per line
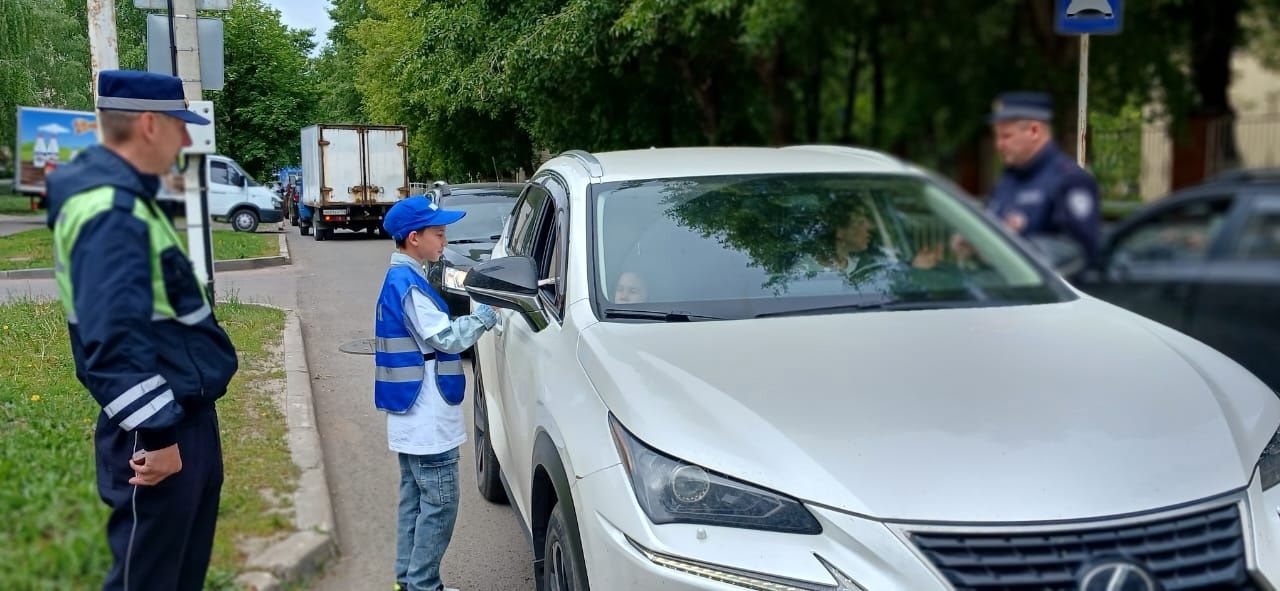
428 509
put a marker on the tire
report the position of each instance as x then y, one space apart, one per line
562 567
488 471
304 230
321 234
244 220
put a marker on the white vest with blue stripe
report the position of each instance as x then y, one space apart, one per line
400 365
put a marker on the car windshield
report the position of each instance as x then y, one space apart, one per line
748 246
483 221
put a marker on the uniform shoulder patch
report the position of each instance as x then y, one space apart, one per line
1080 202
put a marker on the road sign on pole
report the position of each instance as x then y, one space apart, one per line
1085 18
160 54
1089 17
164 5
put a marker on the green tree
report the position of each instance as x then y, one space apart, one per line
268 95
337 66
44 62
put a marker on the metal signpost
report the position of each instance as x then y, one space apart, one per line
1085 18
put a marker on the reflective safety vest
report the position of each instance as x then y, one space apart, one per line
400 366
164 243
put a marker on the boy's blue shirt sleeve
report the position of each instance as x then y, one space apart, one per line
457 335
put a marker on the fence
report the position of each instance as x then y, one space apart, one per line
1137 161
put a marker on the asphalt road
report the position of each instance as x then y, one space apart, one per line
337 283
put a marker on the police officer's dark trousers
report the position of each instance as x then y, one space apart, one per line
161 536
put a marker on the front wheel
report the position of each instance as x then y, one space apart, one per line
244 220
488 472
562 568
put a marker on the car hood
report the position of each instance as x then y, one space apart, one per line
1033 413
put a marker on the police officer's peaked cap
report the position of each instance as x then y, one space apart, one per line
415 213
1015 106
128 90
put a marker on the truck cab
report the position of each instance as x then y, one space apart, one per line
236 197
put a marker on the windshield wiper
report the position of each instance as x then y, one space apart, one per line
469 240
887 305
660 316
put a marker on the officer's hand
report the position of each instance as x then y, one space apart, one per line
961 247
156 465
1015 221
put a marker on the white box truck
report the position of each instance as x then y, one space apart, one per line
351 176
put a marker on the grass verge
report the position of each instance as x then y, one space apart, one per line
12 204
54 536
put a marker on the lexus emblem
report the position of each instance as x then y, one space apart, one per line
1117 576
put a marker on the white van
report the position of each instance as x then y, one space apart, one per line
236 198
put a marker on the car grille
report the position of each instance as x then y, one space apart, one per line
1203 551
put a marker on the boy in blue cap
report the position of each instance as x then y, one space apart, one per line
145 341
419 383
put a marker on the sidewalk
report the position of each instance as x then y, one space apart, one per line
12 224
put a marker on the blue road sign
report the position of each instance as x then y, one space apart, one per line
1089 17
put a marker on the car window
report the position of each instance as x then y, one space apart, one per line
550 253
1260 240
550 267
735 246
1177 235
218 173
243 177
483 221
525 226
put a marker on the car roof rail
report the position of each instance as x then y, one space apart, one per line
587 160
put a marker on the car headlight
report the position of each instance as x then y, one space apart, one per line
674 491
1269 463
452 279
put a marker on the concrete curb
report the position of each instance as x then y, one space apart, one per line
218 266
303 553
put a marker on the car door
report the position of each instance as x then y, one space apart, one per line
224 187
1237 310
515 344
1154 264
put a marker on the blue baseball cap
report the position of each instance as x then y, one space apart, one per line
1018 106
415 213
129 90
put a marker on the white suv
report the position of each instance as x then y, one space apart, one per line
815 368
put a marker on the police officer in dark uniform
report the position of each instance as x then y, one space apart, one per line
145 341
1042 191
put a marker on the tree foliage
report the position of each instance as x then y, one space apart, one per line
480 81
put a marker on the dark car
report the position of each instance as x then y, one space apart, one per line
1204 261
471 239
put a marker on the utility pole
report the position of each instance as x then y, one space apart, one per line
185 49
102 43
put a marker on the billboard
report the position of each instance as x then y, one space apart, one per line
48 138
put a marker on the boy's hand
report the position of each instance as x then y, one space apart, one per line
487 315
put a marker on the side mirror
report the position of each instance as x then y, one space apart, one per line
1062 254
511 283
